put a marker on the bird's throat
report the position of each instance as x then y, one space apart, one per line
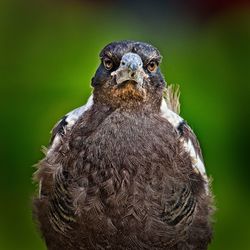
128 91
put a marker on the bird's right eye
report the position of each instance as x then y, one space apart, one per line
152 66
108 64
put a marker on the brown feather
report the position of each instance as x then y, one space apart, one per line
120 177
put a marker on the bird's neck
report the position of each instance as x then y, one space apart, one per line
133 103
128 97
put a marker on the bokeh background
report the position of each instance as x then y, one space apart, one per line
48 54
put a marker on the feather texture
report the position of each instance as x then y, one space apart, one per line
172 97
124 171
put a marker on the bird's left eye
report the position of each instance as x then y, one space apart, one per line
108 64
152 66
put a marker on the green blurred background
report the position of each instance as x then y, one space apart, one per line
48 54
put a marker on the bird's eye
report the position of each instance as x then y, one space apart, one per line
152 66
108 64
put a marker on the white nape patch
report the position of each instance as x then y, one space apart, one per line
168 114
71 119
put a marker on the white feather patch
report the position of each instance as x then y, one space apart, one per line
73 116
168 114
71 119
54 144
196 160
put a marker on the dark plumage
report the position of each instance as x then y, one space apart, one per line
124 171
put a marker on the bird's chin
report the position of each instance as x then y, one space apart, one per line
128 82
128 89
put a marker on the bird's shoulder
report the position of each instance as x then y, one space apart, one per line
188 139
65 124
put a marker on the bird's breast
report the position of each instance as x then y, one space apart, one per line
127 159
123 170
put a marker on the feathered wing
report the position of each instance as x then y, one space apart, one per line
180 207
170 108
183 207
59 130
54 205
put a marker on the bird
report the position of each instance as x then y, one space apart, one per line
125 170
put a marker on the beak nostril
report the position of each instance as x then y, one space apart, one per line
133 74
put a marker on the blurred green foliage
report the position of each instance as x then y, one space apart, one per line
48 54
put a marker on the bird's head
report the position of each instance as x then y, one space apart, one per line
129 76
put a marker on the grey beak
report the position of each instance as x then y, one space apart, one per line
130 69
132 61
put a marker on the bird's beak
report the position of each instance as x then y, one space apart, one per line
130 69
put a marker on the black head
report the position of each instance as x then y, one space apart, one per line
129 75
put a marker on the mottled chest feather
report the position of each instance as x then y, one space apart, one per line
122 133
